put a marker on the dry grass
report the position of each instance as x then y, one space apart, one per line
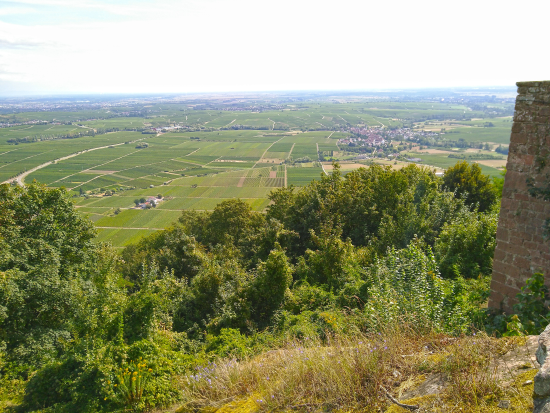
493 163
351 373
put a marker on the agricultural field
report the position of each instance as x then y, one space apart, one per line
194 156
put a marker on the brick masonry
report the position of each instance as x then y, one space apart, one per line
521 249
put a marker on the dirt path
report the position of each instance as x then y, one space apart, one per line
230 122
15 130
13 150
291 149
273 126
241 182
212 161
262 157
28 157
93 171
273 174
20 179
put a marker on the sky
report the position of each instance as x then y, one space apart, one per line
190 46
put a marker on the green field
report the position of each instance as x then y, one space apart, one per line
215 155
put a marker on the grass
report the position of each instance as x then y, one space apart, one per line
123 236
443 161
303 176
353 373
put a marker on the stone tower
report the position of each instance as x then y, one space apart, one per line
521 248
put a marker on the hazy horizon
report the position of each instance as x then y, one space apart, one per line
507 89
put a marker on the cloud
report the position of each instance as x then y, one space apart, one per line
144 9
11 10
21 44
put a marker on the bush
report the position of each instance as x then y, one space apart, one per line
228 343
406 283
466 245
531 312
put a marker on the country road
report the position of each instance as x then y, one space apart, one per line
20 179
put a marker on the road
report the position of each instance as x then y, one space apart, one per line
20 179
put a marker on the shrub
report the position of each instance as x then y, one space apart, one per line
466 245
406 283
531 312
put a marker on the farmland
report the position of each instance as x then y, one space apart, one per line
194 156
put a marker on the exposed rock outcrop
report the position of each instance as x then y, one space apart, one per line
541 396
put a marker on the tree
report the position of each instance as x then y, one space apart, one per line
230 220
468 182
47 254
136 201
142 200
271 285
465 246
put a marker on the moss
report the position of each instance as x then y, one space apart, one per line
247 405
410 384
422 401
524 392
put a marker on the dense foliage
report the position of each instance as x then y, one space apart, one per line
86 329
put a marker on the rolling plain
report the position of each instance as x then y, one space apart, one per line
190 157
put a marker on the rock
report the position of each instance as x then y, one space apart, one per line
504 404
433 384
541 397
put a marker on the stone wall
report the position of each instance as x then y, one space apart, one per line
521 249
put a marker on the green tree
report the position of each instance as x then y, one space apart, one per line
229 222
467 181
171 249
332 264
50 271
466 245
271 285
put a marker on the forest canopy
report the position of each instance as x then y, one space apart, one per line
345 253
